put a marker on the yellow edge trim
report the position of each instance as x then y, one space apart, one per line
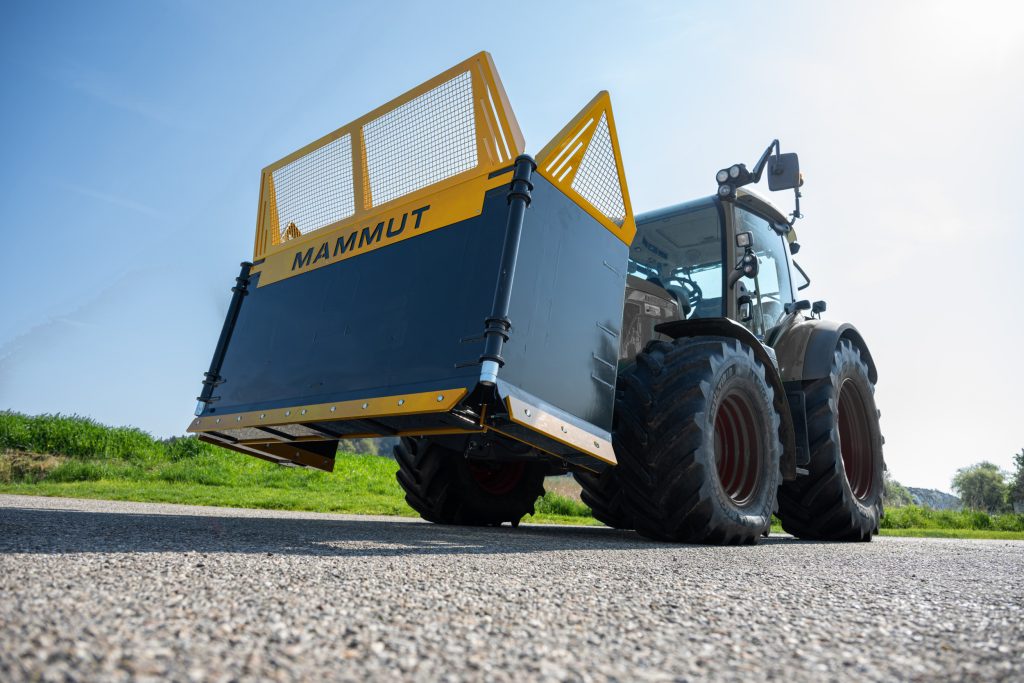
567 435
482 58
446 204
438 401
569 129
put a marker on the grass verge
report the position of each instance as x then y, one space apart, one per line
956 533
913 517
56 455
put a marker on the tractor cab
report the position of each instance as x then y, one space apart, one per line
724 256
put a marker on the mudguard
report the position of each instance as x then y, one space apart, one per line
805 349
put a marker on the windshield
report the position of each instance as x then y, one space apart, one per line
682 253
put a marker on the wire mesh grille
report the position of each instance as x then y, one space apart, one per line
597 179
315 190
422 142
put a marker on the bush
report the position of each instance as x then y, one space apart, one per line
18 466
73 436
895 494
187 448
554 504
915 517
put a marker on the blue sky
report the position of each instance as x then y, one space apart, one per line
134 133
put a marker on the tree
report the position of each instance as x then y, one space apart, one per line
981 487
1015 494
376 446
895 495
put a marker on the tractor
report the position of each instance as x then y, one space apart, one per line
417 275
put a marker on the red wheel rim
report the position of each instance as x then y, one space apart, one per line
855 446
497 478
738 448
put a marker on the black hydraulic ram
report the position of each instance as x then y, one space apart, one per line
212 378
497 324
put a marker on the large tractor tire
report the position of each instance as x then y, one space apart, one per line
445 487
841 498
602 493
697 439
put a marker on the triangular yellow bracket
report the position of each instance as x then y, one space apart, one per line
584 162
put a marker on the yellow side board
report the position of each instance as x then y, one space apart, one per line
537 420
422 213
440 401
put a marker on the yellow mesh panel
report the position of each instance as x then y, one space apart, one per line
316 189
597 179
584 162
422 142
454 127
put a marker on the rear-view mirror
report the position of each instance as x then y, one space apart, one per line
783 172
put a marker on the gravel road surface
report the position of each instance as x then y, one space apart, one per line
104 590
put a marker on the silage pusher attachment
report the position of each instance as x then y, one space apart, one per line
416 274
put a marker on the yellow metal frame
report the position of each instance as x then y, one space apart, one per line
559 161
447 205
499 142
542 422
440 401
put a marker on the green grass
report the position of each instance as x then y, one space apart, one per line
59 455
913 517
955 533
920 522
56 455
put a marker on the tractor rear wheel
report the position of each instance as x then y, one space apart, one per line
841 498
445 487
697 439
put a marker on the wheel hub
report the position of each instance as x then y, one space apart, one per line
497 478
738 448
855 441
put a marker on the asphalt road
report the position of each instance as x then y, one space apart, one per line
108 591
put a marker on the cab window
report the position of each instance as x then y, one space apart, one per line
682 253
771 289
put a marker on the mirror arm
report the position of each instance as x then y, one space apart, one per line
796 207
759 166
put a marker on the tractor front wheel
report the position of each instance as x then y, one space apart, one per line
697 438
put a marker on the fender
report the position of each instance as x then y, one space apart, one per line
805 349
724 327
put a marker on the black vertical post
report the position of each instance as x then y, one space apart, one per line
212 378
497 324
